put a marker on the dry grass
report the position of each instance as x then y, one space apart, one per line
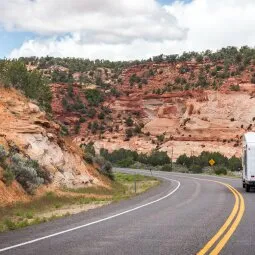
53 205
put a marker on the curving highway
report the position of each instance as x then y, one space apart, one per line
187 214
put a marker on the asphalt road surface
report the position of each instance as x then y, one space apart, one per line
187 214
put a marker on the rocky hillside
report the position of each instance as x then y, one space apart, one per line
179 104
31 142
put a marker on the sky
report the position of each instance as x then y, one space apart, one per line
122 30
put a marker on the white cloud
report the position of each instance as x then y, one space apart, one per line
70 46
215 24
130 29
103 21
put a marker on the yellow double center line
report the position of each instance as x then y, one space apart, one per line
231 223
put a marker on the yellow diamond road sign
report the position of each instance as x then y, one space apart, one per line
211 162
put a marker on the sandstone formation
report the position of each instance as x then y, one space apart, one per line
191 120
24 127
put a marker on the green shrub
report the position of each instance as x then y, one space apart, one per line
82 120
26 172
126 158
195 169
138 129
129 132
134 79
161 138
107 170
129 122
77 128
219 68
91 113
64 103
127 162
183 160
235 87
105 167
3 153
89 148
10 224
235 164
158 158
8 176
167 168
220 170
88 158
64 130
33 84
101 115
94 97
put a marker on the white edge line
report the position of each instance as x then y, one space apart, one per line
94 222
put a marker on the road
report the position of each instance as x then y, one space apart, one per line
187 214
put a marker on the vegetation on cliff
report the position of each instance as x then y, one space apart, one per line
24 170
33 84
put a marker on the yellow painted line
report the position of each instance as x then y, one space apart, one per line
232 229
238 200
225 225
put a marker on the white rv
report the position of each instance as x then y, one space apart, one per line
248 160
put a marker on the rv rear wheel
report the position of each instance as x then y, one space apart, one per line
247 188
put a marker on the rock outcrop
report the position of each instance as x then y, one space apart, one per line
27 129
173 104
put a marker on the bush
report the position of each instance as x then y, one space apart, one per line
3 153
91 112
129 122
88 158
64 130
77 128
105 167
235 87
107 170
220 170
33 84
183 160
94 97
101 115
134 79
195 169
8 176
127 162
167 168
161 138
158 158
129 132
26 172
89 148
126 158
82 120
235 164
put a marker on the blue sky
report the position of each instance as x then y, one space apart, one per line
11 40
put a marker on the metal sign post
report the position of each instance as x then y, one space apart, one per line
135 183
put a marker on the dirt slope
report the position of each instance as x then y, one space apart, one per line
25 128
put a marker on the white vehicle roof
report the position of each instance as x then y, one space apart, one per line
249 137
